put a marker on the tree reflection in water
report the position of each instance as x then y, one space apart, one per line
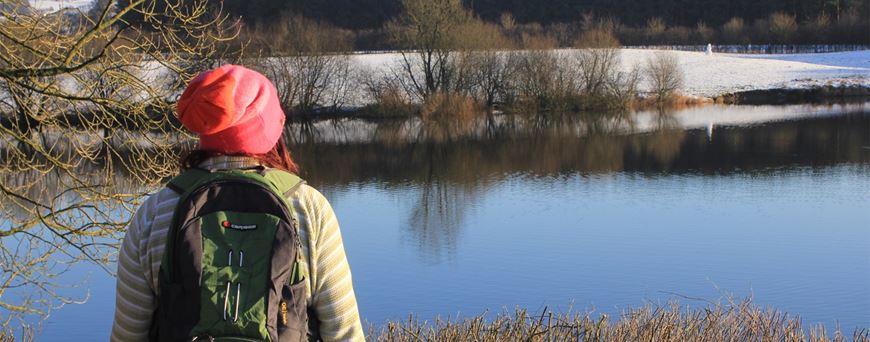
450 176
52 218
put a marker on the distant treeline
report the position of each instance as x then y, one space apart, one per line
372 14
780 27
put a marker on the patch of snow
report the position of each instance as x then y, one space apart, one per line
56 5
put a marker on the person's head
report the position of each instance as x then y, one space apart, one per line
235 111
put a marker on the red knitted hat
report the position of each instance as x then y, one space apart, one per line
233 109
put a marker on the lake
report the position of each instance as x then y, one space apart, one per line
590 212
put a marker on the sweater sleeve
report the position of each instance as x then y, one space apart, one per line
333 298
134 298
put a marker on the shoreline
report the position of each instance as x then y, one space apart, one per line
791 96
853 94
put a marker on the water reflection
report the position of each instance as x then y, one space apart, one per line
448 177
435 219
664 145
443 173
56 214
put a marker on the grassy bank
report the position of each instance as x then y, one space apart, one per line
821 94
742 321
733 321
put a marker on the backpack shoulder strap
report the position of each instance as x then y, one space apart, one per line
284 182
187 180
287 183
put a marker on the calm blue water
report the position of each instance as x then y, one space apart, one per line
778 211
797 239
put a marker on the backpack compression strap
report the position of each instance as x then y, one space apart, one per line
280 181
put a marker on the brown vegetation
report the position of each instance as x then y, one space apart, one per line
664 75
439 58
307 60
778 26
427 33
743 321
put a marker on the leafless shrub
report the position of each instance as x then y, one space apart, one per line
623 87
533 40
541 83
491 75
817 29
782 27
308 82
307 62
677 35
507 21
564 34
734 32
703 33
293 34
850 28
602 83
596 67
760 31
481 35
596 38
655 30
385 97
664 75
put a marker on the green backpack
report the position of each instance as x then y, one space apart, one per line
231 266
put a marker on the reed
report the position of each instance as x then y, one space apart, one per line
742 321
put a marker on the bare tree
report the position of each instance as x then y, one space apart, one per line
309 82
664 75
783 27
86 129
308 65
428 32
492 73
596 67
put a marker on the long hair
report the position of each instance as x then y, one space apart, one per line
279 158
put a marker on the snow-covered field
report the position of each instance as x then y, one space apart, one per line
718 74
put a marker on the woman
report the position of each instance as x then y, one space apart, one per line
237 116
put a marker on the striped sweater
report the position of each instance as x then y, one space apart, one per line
329 286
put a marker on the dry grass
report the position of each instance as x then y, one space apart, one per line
446 106
743 321
389 102
674 102
447 116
